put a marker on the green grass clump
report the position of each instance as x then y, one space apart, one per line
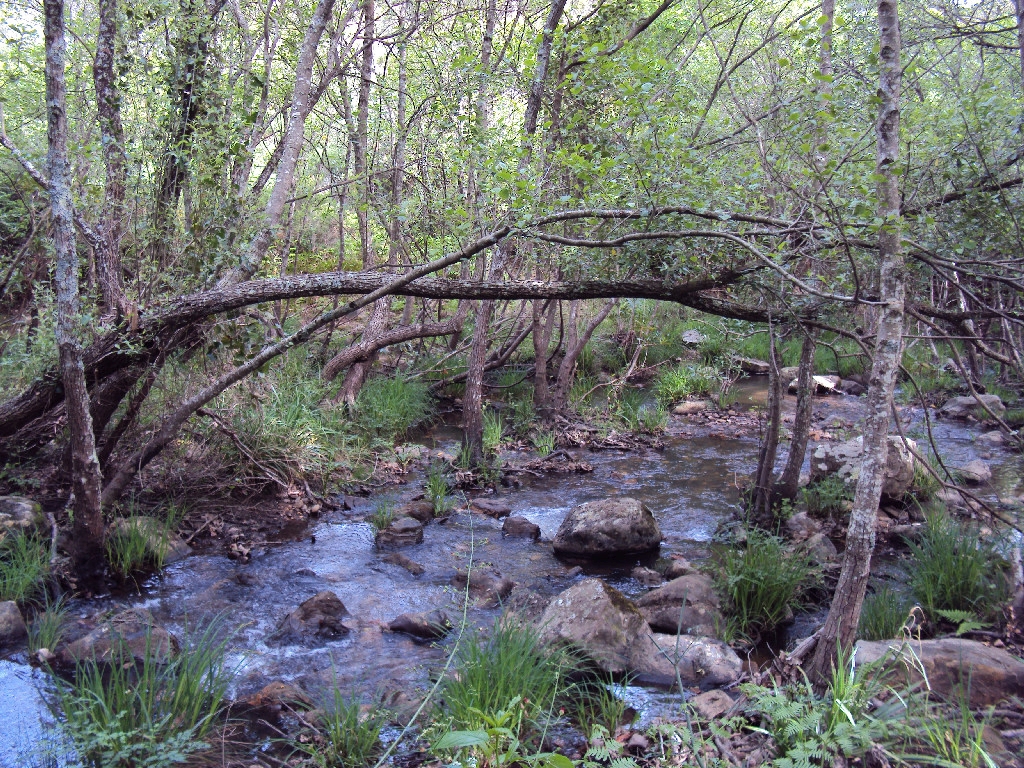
883 615
493 669
954 569
383 514
762 582
494 432
152 712
48 627
677 383
828 496
597 705
24 566
544 443
438 490
350 736
139 543
389 408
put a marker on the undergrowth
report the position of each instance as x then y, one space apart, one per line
24 566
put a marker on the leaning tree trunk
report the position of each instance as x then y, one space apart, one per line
85 467
789 482
841 625
542 329
108 113
575 344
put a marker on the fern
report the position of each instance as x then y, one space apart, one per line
966 621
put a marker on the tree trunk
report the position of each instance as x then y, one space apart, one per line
472 401
542 328
85 467
761 501
1020 35
841 625
575 344
291 146
108 112
789 483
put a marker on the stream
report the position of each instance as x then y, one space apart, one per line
690 485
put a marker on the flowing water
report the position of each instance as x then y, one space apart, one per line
690 485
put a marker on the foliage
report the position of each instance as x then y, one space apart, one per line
24 566
497 743
136 543
597 705
638 415
390 407
677 383
828 496
544 443
603 750
350 737
383 514
762 582
494 432
883 615
955 569
148 713
811 730
492 670
438 490
48 626
949 736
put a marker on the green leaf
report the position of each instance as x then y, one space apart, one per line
462 740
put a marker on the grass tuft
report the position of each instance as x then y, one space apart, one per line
350 736
389 408
677 383
24 566
883 615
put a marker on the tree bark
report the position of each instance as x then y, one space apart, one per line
575 344
841 625
85 467
291 146
542 329
789 482
108 112
761 501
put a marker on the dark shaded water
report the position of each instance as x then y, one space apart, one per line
690 486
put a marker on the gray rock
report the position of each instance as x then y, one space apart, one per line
275 700
844 459
596 620
13 631
692 336
430 625
420 511
20 514
688 604
950 498
396 558
749 365
820 548
823 385
691 407
995 437
491 507
521 527
693 660
647 576
976 472
952 664
676 567
711 704
403 532
962 407
162 545
789 373
316 619
851 387
801 526
486 585
133 632
609 527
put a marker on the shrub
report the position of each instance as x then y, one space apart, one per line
955 570
24 565
828 496
492 670
761 582
883 615
684 380
150 713
350 738
389 408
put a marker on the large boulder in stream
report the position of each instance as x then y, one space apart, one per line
596 620
12 625
685 605
402 532
844 459
964 407
316 619
133 633
667 659
952 665
609 527
20 514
